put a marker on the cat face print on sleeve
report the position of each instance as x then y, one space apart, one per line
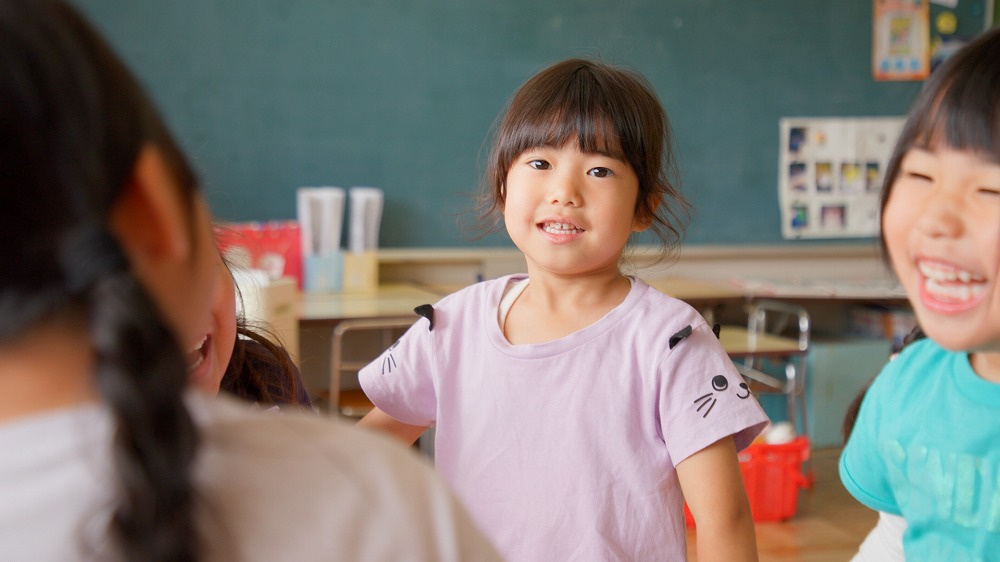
715 387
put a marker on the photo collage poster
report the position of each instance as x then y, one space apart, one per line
830 174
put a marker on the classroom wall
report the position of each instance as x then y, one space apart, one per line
268 96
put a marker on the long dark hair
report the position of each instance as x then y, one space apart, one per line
958 107
72 123
607 109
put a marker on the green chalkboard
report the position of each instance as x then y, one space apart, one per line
271 95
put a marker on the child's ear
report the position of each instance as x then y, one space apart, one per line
150 218
645 214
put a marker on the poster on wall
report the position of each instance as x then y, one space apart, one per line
830 173
901 40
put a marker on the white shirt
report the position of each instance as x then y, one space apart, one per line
291 487
885 541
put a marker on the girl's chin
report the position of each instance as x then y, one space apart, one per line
208 385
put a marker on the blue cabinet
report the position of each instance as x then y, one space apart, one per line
836 370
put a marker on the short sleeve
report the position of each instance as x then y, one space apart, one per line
862 468
703 398
400 382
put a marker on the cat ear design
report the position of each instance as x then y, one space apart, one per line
427 311
683 333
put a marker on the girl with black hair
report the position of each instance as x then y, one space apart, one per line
924 445
109 271
575 407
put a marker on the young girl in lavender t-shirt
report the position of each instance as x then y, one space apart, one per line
575 407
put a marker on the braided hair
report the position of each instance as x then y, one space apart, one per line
72 123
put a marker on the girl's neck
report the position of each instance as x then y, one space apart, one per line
45 370
599 289
553 307
986 365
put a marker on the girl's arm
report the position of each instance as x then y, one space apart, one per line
713 488
381 421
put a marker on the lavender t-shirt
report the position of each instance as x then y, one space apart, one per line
566 450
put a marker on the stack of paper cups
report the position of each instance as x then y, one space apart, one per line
361 263
366 217
321 218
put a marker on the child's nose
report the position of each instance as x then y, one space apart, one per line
564 190
941 215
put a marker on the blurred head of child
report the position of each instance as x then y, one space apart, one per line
935 406
941 207
242 358
111 280
112 272
210 358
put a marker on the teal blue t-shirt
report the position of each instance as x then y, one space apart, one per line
926 446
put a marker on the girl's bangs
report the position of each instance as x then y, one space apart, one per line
965 117
562 120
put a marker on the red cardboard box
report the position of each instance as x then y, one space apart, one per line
274 246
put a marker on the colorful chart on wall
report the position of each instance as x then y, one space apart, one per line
901 40
830 174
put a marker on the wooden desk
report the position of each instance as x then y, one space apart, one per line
746 349
738 344
325 317
864 289
695 290
698 291
396 299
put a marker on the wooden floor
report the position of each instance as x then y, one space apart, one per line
828 526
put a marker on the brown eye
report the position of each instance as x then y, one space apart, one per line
539 164
600 172
720 383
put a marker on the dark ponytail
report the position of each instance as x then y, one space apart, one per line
136 372
72 123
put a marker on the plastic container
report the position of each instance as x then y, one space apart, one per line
772 475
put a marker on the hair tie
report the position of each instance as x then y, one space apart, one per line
88 253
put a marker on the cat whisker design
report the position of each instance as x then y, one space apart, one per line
388 363
706 400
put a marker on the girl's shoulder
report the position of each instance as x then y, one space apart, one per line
916 374
238 428
919 355
254 469
658 307
470 303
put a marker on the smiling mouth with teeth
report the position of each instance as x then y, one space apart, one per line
950 284
196 355
561 228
